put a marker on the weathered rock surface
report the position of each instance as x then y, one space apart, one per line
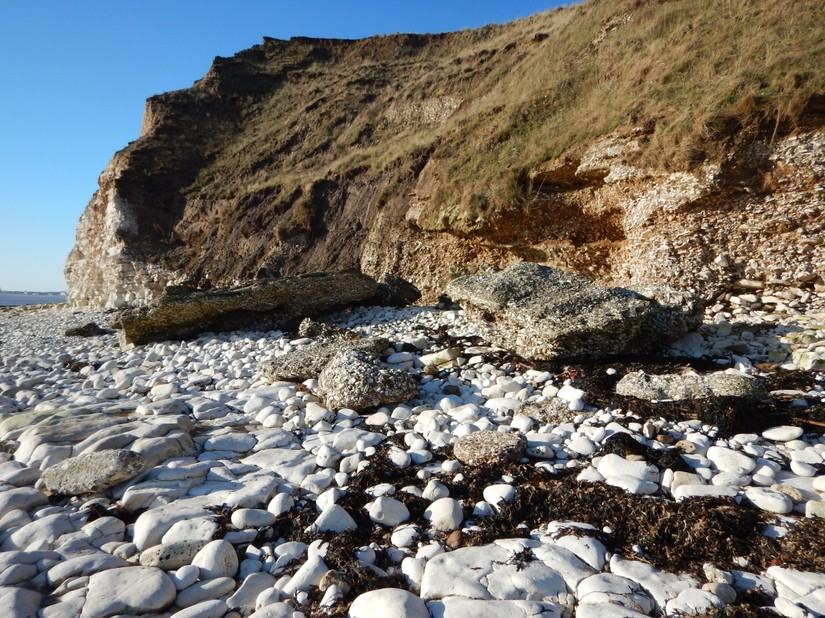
128 590
262 305
690 385
489 447
87 330
308 361
541 312
394 291
356 379
93 472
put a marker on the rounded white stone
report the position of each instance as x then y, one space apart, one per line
695 491
570 393
388 511
613 465
386 602
444 514
217 559
769 500
582 446
498 493
434 490
205 590
214 608
335 519
252 518
800 468
815 508
327 457
632 484
728 460
782 433
405 536
399 457
280 504
378 419
185 576
308 575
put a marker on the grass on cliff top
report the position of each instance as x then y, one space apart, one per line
490 105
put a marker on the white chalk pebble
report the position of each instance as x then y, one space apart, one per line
388 511
499 493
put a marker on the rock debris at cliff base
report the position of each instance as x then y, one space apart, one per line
257 497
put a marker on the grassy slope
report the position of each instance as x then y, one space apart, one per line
694 72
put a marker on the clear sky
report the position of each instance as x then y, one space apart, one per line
74 76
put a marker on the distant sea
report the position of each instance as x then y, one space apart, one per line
11 299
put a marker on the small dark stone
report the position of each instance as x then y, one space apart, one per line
87 330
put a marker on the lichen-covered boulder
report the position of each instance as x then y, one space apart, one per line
308 361
357 379
541 312
690 385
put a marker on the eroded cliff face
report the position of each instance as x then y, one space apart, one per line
101 269
588 138
717 228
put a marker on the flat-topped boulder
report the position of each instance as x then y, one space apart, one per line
541 312
268 304
690 385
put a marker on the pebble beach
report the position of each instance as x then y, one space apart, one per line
248 496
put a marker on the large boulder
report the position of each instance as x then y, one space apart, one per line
268 304
308 361
357 379
690 385
541 312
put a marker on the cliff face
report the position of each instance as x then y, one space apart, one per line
633 142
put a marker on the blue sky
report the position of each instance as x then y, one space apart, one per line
74 77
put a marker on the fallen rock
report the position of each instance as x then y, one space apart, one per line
93 472
268 304
309 361
357 380
394 291
323 330
87 330
489 447
541 312
690 385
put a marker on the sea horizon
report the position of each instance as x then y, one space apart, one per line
13 298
